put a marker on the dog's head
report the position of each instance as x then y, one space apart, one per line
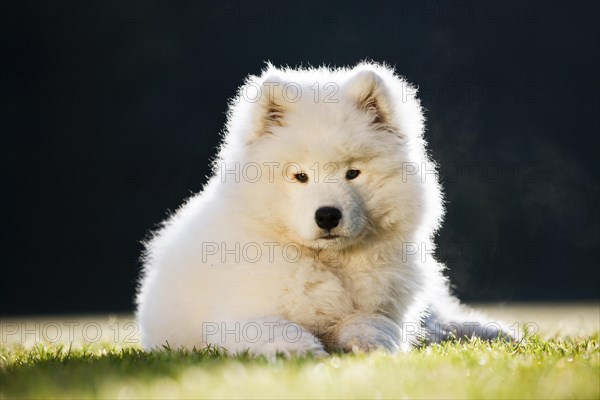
339 155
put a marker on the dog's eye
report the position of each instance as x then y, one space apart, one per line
352 173
301 177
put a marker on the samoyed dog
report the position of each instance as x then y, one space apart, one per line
315 232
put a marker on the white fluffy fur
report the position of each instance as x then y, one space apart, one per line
373 287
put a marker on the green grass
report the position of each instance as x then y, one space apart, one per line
533 368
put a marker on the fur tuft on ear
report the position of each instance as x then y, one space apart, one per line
367 89
272 105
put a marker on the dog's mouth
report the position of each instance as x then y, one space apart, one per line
329 236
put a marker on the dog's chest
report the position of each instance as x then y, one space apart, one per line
368 290
324 296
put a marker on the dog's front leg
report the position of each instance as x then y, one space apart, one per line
365 332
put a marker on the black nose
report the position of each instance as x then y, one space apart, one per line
328 217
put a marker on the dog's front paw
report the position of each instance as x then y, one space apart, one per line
289 340
301 348
365 333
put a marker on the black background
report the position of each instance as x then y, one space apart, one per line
112 110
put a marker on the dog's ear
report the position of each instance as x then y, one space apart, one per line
370 95
272 104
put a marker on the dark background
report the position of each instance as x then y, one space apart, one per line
112 110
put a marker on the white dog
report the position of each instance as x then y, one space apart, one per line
315 233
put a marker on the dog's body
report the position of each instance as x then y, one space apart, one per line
315 232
